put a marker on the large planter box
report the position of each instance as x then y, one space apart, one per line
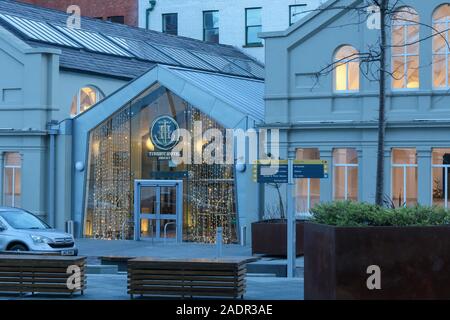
414 262
270 237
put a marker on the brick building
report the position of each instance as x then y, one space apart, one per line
120 11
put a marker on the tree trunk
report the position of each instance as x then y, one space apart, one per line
382 104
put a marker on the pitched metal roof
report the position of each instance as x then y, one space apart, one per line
83 58
244 94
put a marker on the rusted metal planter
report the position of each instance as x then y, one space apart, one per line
270 237
414 262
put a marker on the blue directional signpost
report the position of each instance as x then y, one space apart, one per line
286 171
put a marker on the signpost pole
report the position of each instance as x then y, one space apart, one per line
291 223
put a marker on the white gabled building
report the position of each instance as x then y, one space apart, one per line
232 22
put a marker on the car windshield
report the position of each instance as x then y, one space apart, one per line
23 220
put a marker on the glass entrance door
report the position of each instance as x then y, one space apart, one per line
158 206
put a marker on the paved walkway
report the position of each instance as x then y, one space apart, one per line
98 248
114 287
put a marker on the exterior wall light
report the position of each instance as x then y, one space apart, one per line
79 166
241 167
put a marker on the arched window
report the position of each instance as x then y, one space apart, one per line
346 74
441 51
405 49
84 99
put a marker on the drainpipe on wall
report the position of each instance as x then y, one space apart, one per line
147 13
52 131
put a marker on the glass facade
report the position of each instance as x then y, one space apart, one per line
122 149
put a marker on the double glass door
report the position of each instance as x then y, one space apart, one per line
158 206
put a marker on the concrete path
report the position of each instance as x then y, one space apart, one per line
97 248
113 287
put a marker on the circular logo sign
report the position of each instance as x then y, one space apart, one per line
162 130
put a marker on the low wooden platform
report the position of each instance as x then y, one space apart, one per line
187 278
40 274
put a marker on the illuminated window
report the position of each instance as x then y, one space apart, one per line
404 177
441 174
441 50
84 99
405 49
346 75
308 190
12 186
345 174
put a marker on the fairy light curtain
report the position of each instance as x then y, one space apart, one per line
209 193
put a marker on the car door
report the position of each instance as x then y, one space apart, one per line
3 235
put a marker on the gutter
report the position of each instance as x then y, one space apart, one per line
147 13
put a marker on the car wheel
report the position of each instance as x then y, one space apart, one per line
18 247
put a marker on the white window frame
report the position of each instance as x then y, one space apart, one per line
405 184
345 166
13 186
405 55
446 176
447 50
347 72
98 97
307 213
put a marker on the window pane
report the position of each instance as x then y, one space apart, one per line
252 35
413 39
440 184
212 35
398 40
353 76
411 186
341 77
339 183
439 70
413 72
345 156
347 69
352 180
170 23
439 38
88 97
397 187
398 70
441 156
404 156
305 185
345 174
254 17
12 159
7 187
211 19
442 13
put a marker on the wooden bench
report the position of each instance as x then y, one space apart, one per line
187 277
39 274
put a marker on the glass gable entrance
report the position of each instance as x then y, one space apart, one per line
134 144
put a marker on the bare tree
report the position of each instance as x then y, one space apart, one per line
374 66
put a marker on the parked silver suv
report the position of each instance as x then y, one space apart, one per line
20 230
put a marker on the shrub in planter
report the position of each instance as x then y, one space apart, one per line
409 245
